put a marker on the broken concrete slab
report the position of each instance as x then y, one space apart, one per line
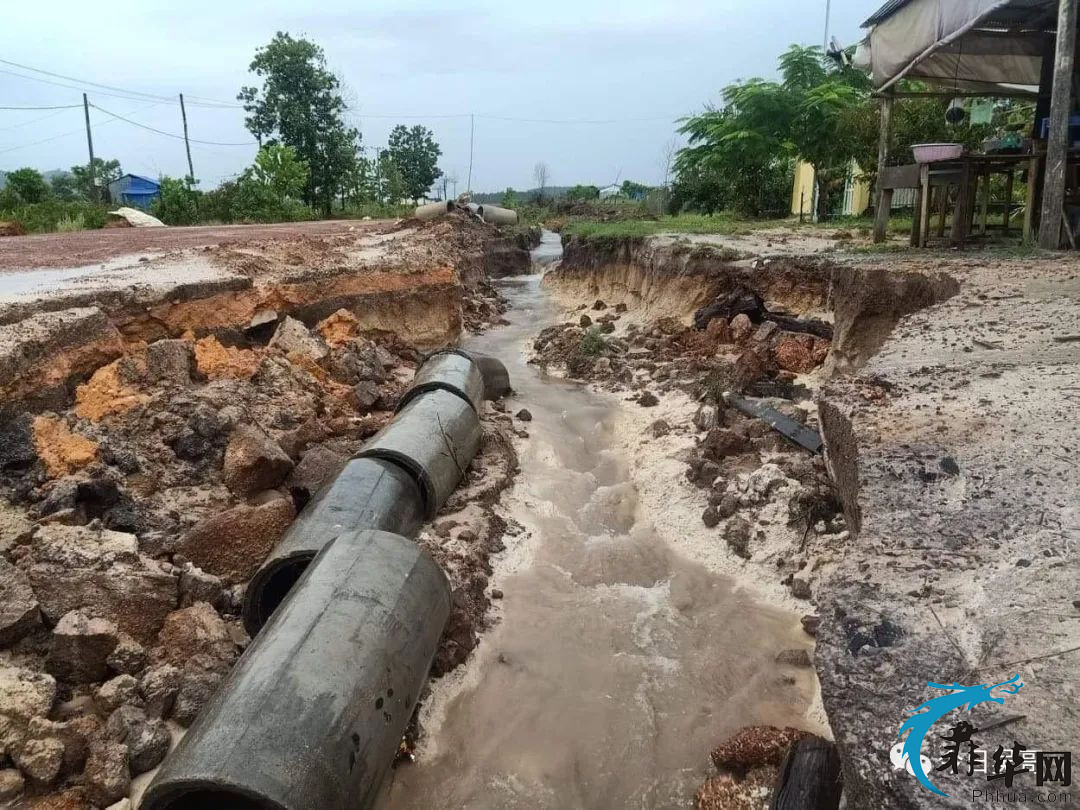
234 543
80 647
19 613
253 461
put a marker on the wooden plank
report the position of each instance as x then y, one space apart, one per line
1057 148
909 176
884 194
924 206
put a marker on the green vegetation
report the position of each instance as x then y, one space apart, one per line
67 224
69 202
416 155
593 342
45 217
721 224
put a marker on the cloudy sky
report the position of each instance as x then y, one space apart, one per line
533 75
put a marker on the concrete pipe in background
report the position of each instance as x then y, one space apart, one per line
368 493
312 715
497 216
434 210
448 371
434 437
496 377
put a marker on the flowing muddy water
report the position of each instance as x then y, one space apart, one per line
616 664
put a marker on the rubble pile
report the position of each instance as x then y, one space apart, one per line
133 519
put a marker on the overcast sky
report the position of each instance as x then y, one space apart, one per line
640 63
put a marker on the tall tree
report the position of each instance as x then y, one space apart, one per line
416 155
300 105
28 185
105 172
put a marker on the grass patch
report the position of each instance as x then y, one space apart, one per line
593 342
52 215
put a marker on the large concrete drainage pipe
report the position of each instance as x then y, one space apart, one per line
496 215
434 210
447 371
312 715
496 377
434 437
367 494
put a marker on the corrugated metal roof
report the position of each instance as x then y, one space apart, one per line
1030 14
885 12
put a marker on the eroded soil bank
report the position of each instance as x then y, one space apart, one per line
621 655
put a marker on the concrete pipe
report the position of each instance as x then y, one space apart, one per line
496 377
448 371
497 216
367 494
434 210
434 437
312 715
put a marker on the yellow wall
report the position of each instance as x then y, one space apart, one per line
803 190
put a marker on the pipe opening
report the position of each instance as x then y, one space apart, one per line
278 584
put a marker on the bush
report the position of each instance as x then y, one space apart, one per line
67 223
178 202
593 342
45 217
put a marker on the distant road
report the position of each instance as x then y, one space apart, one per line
82 248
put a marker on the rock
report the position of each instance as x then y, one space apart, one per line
194 631
70 799
159 687
599 305
367 394
607 328
620 308
253 461
337 328
317 468
24 696
707 474
11 785
648 400
15 527
233 544
102 574
170 361
358 361
292 337
74 733
496 593
728 506
19 613
755 746
710 517
794 658
40 759
585 322
117 691
810 624
707 417
107 778
764 333
718 330
147 738
737 536
800 588
80 648
128 656
741 328
719 443
660 428
197 686
799 354
524 415
123 804
198 586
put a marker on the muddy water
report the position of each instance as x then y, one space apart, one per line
616 664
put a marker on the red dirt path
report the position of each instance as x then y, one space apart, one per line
90 247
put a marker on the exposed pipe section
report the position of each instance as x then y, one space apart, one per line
496 215
312 715
434 437
448 371
434 210
496 377
368 493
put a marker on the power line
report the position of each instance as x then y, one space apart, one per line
31 121
61 107
169 134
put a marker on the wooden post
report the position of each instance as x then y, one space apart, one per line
984 224
1029 203
884 201
187 144
943 209
924 207
1009 179
1057 148
90 146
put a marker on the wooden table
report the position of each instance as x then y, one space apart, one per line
965 174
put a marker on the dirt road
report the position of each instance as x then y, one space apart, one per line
91 247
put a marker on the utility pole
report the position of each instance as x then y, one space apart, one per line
472 132
828 16
1057 146
90 145
187 144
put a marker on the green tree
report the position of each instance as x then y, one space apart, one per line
177 202
762 125
64 187
28 185
300 105
579 193
635 191
510 198
105 172
389 182
278 168
416 155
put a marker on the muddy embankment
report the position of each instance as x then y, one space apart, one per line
652 318
158 436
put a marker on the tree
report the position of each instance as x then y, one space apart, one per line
416 154
389 184
105 172
762 125
28 185
541 175
579 193
300 105
633 191
278 168
64 187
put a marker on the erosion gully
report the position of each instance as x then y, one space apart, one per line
616 664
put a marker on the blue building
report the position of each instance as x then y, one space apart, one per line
133 190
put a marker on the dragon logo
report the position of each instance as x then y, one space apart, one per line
960 696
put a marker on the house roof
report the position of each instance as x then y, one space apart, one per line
148 180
